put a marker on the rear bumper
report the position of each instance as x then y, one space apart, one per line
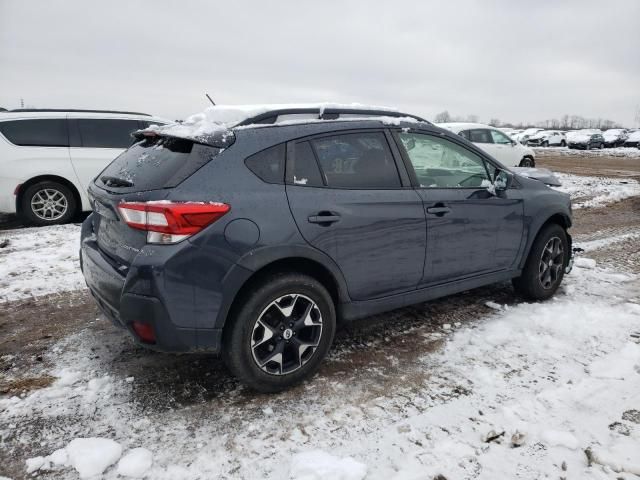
140 295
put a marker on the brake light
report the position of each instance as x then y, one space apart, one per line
144 331
171 222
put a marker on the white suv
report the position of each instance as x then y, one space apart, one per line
49 157
496 143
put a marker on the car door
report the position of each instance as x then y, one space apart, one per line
350 200
508 151
470 231
483 139
95 142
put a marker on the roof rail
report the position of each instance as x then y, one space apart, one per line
324 113
75 110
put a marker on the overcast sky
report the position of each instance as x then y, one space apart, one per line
512 60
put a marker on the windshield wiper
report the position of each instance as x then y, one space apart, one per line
115 181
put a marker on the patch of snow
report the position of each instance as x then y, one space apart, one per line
220 118
319 465
92 456
584 262
597 191
39 261
135 463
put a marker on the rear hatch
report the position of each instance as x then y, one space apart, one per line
147 171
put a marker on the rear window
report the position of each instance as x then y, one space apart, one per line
107 133
268 164
155 163
51 132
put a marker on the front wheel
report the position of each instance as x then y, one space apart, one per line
48 203
563 143
527 162
545 144
281 332
544 269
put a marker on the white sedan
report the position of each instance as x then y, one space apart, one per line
496 143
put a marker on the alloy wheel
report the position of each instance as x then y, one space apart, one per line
49 204
551 263
286 334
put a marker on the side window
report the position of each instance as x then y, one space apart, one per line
480 136
268 164
499 138
36 133
440 163
106 133
357 160
465 134
305 166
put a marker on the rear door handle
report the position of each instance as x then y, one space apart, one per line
438 211
324 218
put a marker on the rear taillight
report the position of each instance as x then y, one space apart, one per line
144 331
169 222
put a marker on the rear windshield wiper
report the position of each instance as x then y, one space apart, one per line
115 181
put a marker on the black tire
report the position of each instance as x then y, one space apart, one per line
527 162
59 195
530 284
545 144
563 143
241 357
601 146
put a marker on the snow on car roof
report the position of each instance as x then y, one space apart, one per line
217 119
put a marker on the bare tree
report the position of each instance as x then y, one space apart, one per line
494 122
442 117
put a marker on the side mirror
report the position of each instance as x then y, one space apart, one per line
502 180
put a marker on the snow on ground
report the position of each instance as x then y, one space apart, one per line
521 392
605 152
38 261
596 191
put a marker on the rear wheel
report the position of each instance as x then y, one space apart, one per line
545 144
544 268
48 203
563 143
281 332
601 146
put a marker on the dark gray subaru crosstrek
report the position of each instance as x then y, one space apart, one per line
253 240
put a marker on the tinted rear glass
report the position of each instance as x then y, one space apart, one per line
107 133
37 133
305 167
155 163
268 164
480 136
357 160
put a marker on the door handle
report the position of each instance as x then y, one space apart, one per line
324 218
438 211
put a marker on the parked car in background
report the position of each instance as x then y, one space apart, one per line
274 232
547 138
585 140
632 140
495 142
614 137
523 136
49 157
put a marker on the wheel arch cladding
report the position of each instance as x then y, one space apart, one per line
557 218
47 178
301 265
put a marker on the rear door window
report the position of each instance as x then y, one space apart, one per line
480 136
357 160
106 133
50 132
155 163
305 166
499 138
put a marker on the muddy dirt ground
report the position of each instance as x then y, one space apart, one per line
30 328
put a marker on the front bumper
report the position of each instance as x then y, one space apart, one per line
129 297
